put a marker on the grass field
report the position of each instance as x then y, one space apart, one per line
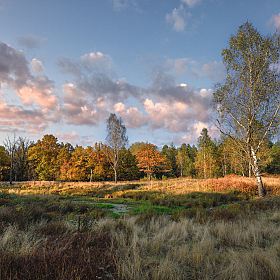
173 229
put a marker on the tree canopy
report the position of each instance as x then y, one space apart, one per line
247 103
116 140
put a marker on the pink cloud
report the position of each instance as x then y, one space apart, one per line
68 137
275 20
39 90
16 117
37 66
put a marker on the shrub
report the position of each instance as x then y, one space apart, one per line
231 183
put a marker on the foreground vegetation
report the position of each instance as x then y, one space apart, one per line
173 229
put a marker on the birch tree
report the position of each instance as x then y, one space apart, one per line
247 103
116 140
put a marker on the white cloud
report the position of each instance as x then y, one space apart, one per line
97 61
173 117
275 20
132 116
178 18
191 3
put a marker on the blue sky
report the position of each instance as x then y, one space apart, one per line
66 65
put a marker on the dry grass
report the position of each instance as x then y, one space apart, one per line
174 186
162 249
243 184
235 241
52 251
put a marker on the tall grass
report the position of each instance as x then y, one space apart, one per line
217 233
164 249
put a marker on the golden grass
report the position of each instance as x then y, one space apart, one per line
172 186
164 249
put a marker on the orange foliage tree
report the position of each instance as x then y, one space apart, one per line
150 160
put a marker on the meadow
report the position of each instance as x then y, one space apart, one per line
170 229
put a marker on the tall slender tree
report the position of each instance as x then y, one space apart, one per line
206 157
247 103
115 141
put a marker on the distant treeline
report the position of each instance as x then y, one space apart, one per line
47 159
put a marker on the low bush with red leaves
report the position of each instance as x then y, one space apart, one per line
231 183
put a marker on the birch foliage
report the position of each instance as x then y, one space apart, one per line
247 103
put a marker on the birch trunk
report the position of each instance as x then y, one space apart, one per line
204 165
116 178
258 174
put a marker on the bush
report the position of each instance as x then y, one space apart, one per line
231 183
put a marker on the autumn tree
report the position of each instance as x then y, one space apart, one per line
206 159
4 163
101 167
170 152
78 165
43 157
247 103
128 169
10 148
62 160
150 160
274 163
116 140
21 159
136 146
232 158
184 161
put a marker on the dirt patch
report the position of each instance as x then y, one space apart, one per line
118 208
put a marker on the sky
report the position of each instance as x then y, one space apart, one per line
66 65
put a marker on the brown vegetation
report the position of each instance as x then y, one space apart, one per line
190 229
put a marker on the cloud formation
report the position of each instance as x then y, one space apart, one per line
16 118
90 98
132 116
178 18
68 137
94 92
40 90
191 3
37 92
14 68
37 66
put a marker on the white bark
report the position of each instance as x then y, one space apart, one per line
258 173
